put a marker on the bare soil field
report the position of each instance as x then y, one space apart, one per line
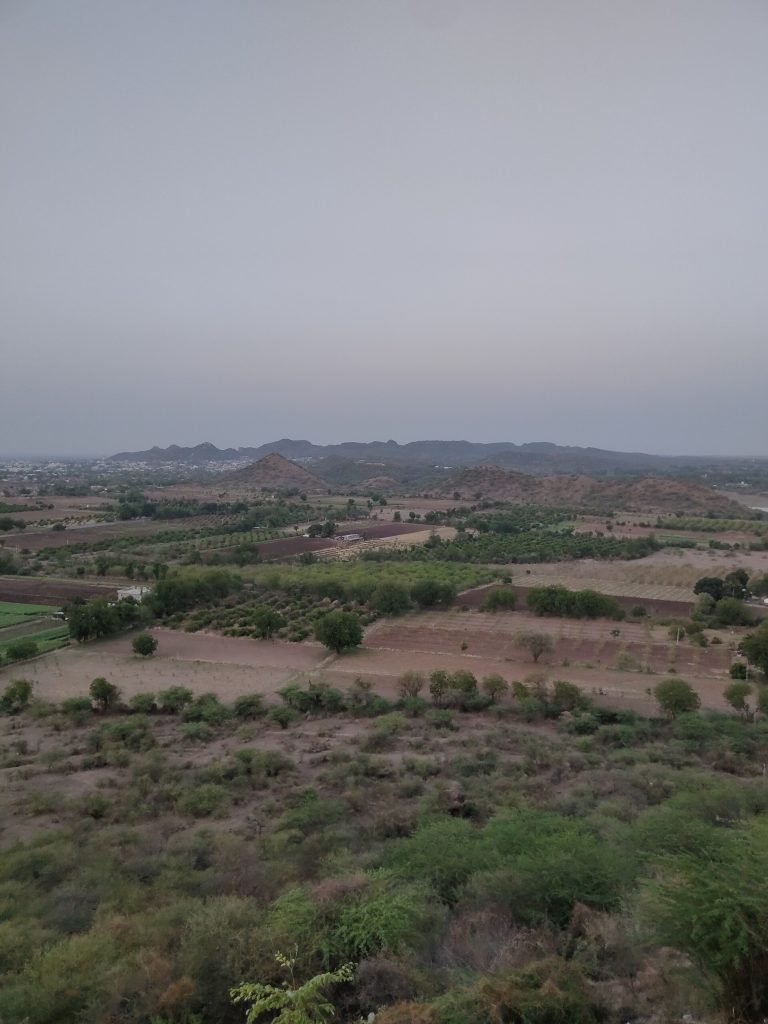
585 653
37 590
228 666
671 573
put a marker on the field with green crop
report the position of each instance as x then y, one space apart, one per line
15 614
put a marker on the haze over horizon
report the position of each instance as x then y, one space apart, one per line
347 220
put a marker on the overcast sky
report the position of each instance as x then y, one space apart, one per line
237 220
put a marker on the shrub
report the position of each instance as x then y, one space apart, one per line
249 705
144 644
499 600
410 684
77 709
104 695
21 649
282 716
175 699
197 732
143 703
738 670
203 801
206 708
16 697
675 697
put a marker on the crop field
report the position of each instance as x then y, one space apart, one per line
100 532
14 614
48 639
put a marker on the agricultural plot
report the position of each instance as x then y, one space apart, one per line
13 614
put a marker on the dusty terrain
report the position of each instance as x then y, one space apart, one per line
585 653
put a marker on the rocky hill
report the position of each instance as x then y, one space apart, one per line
272 473
645 494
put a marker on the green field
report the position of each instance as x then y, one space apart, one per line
16 614
46 640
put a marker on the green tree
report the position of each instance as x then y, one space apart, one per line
731 611
754 647
428 593
711 585
390 598
105 695
536 644
736 695
339 631
676 697
439 682
144 644
292 1003
266 620
494 687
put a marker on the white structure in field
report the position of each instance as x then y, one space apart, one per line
136 593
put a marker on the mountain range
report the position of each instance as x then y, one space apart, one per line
353 461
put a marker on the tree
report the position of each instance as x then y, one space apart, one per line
428 593
731 611
339 631
736 695
712 585
754 647
292 1004
676 697
536 644
105 695
266 620
390 599
494 687
735 583
439 681
144 644
410 684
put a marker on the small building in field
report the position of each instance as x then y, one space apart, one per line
135 593
350 538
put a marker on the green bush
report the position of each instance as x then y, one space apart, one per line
203 801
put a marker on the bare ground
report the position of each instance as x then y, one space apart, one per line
585 653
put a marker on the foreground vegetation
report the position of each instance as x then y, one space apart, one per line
529 858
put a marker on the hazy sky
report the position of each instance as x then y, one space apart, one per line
236 220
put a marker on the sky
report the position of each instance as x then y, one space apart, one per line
519 220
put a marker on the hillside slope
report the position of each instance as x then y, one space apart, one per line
272 473
646 494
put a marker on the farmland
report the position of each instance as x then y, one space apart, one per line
244 769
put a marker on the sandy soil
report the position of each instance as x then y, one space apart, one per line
585 653
228 666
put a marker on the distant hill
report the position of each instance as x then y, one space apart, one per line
353 461
646 494
540 456
272 473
